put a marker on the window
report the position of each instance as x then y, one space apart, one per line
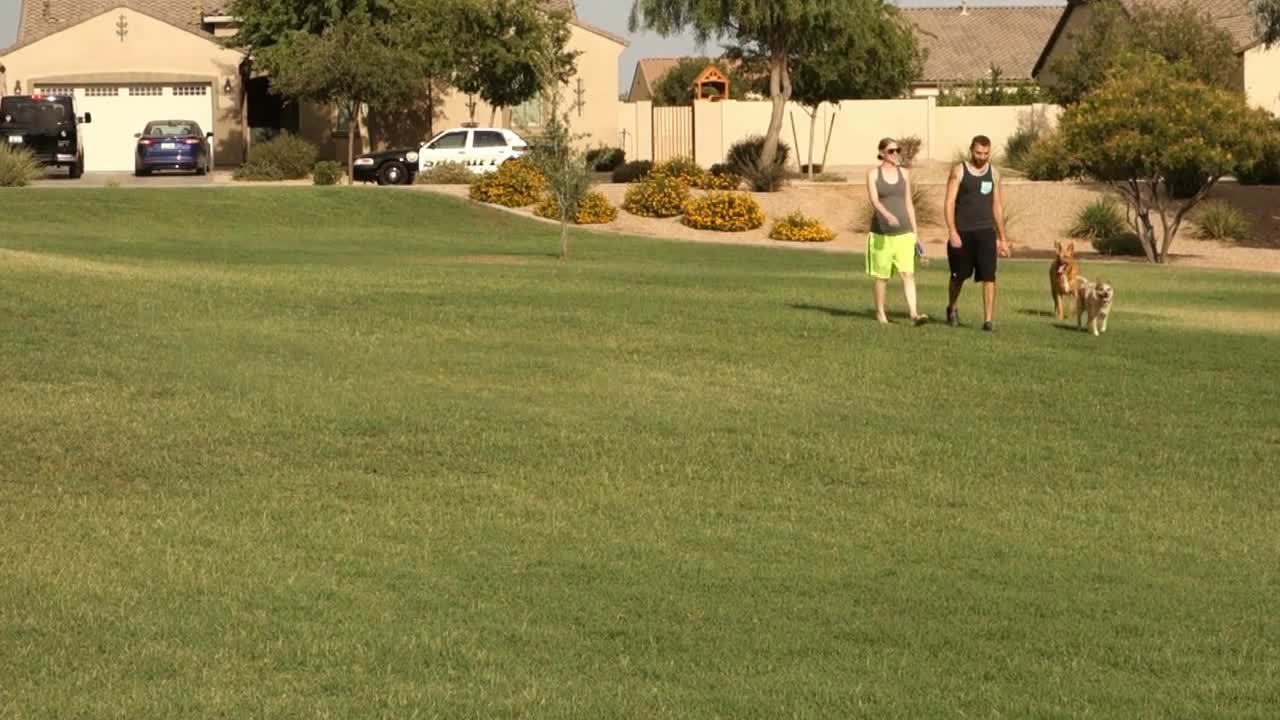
451 141
101 91
54 90
527 114
144 90
179 129
488 139
190 90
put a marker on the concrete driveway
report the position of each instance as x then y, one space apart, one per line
58 179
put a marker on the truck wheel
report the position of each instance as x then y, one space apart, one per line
77 170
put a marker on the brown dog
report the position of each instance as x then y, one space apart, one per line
1064 278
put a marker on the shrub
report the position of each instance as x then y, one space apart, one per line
1218 220
1018 147
724 181
326 172
1101 219
658 196
724 212
722 169
1264 172
18 167
516 183
447 173
744 159
910 147
798 227
283 157
631 172
1047 159
681 168
1126 243
606 159
593 210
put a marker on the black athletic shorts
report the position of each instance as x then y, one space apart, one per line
976 256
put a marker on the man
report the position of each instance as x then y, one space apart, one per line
975 222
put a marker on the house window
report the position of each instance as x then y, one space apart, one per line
144 90
527 114
191 90
101 91
54 90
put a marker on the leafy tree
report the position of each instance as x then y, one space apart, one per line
560 160
775 26
1184 33
989 92
1268 16
676 87
1151 122
871 55
513 50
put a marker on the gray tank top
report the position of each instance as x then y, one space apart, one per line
894 198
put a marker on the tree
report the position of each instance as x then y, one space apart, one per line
871 55
1268 16
564 165
1184 33
676 86
504 60
775 26
1151 121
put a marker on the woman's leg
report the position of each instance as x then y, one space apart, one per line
909 289
879 295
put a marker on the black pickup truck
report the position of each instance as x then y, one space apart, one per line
46 125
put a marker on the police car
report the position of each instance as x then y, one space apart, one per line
481 150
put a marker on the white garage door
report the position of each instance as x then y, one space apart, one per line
120 111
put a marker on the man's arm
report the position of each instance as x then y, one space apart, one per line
997 208
949 209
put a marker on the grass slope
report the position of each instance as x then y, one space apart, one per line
334 453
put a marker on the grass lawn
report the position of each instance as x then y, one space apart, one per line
300 453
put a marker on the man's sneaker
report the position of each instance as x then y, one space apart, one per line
988 327
953 317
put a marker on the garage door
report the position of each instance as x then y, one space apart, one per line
120 111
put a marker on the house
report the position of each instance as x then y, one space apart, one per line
649 72
130 61
1258 71
963 43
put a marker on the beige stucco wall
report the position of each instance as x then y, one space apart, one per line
1262 77
955 127
150 46
635 130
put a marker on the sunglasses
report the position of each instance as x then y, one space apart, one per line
891 151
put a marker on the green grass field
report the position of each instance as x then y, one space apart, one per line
299 453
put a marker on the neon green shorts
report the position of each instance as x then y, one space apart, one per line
888 255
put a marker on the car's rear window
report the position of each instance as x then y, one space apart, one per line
162 129
29 112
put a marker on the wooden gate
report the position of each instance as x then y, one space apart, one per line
672 133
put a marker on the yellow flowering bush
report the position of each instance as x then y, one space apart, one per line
798 227
516 183
721 181
593 210
724 211
681 168
658 196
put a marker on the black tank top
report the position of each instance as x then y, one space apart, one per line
975 203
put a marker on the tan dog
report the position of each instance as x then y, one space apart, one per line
1094 299
1064 277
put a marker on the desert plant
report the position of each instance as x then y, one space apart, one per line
1218 220
927 210
606 159
326 172
909 149
680 168
446 173
658 196
283 157
723 212
1102 219
634 171
1018 147
594 209
18 167
744 159
1047 160
516 183
798 227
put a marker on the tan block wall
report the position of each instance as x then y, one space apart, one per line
1262 78
149 47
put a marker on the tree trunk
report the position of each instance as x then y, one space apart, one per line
813 137
827 145
564 235
493 116
780 93
353 127
431 108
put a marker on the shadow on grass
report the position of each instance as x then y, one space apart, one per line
868 314
1036 313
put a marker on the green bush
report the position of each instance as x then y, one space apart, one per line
631 172
606 159
1218 220
1018 148
284 157
1126 243
1103 218
1047 160
744 159
446 173
659 196
18 167
1182 184
326 172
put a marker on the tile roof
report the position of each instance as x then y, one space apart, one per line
652 70
41 18
1234 16
963 44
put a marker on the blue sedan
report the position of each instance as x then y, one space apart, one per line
172 145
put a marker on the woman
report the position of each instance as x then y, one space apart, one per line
891 246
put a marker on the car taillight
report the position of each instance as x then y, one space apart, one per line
192 141
144 142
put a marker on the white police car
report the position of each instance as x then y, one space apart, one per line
481 150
